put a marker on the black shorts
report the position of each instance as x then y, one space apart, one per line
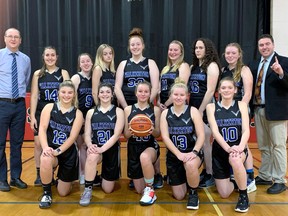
37 117
175 168
68 165
220 162
111 163
134 169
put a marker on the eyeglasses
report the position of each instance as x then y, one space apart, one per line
16 37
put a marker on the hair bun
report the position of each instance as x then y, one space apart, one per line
136 32
179 80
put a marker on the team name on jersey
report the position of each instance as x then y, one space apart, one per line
85 91
136 74
229 122
49 85
180 130
60 127
198 77
102 125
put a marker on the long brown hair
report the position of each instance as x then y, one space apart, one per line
43 68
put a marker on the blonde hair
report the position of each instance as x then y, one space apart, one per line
239 64
69 83
99 58
179 83
179 61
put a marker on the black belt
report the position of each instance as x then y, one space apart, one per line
259 105
12 100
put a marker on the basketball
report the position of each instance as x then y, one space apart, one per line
141 125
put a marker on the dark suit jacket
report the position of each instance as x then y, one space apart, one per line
276 90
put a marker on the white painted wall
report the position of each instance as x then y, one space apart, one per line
279 25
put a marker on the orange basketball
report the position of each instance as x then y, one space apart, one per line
140 125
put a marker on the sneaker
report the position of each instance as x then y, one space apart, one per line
37 182
158 181
131 184
193 200
81 179
97 180
45 201
207 181
86 197
243 204
148 197
251 187
202 174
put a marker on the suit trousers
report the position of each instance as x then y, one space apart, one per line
271 139
12 118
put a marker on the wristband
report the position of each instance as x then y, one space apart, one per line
195 152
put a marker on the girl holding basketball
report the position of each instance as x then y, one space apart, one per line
143 151
179 124
103 127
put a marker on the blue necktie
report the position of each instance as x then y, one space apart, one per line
15 90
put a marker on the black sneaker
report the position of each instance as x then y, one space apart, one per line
37 182
207 181
202 174
131 184
45 202
243 204
193 200
158 181
97 180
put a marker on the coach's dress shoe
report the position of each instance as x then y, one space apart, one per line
4 186
276 188
18 183
260 181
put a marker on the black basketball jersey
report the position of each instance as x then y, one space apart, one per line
197 84
167 80
108 77
103 125
229 123
181 129
149 111
60 125
134 74
48 86
84 92
240 88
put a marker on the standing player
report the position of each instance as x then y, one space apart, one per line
143 151
175 67
135 70
83 85
205 70
179 124
103 127
59 128
104 69
229 121
44 90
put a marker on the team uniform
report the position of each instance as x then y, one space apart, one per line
103 125
48 86
134 74
136 145
182 134
84 92
230 127
58 131
167 80
240 87
198 88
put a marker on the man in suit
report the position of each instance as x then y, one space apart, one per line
270 105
